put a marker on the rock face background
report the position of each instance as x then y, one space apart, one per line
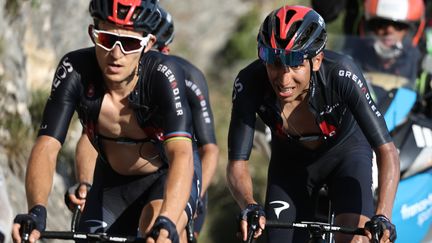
35 34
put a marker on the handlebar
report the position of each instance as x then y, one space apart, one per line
320 227
104 237
27 227
317 229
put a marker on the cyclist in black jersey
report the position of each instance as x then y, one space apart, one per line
203 124
132 104
323 123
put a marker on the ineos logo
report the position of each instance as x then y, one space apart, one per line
238 87
61 72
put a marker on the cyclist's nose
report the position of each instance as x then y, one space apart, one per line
117 50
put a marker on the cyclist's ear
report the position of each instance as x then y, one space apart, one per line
90 32
316 61
150 43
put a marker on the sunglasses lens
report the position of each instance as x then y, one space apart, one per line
106 40
130 43
292 58
287 58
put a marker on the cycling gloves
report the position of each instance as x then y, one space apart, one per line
378 224
163 222
35 219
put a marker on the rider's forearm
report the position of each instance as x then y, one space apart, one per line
40 170
209 154
388 178
179 180
240 182
86 156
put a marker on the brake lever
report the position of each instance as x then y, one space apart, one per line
25 230
253 226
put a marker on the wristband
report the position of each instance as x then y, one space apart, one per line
163 222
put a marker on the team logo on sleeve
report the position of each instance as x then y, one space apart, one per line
202 101
238 87
363 87
61 73
171 78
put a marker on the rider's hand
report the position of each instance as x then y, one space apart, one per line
30 225
163 231
381 226
76 195
247 220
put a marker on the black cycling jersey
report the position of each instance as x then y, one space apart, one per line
158 99
338 98
199 102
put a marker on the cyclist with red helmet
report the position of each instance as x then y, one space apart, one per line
323 123
203 124
132 104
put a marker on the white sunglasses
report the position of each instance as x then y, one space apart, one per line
128 43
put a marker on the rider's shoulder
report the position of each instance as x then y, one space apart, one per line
336 58
80 58
337 62
81 54
254 70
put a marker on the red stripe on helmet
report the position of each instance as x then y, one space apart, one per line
127 20
300 12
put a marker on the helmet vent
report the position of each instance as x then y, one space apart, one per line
305 36
289 14
122 11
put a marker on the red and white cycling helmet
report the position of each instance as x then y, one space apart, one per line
290 35
138 15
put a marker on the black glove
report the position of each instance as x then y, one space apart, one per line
75 190
378 224
35 219
163 222
250 211
251 214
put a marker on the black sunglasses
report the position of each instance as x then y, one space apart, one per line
380 23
